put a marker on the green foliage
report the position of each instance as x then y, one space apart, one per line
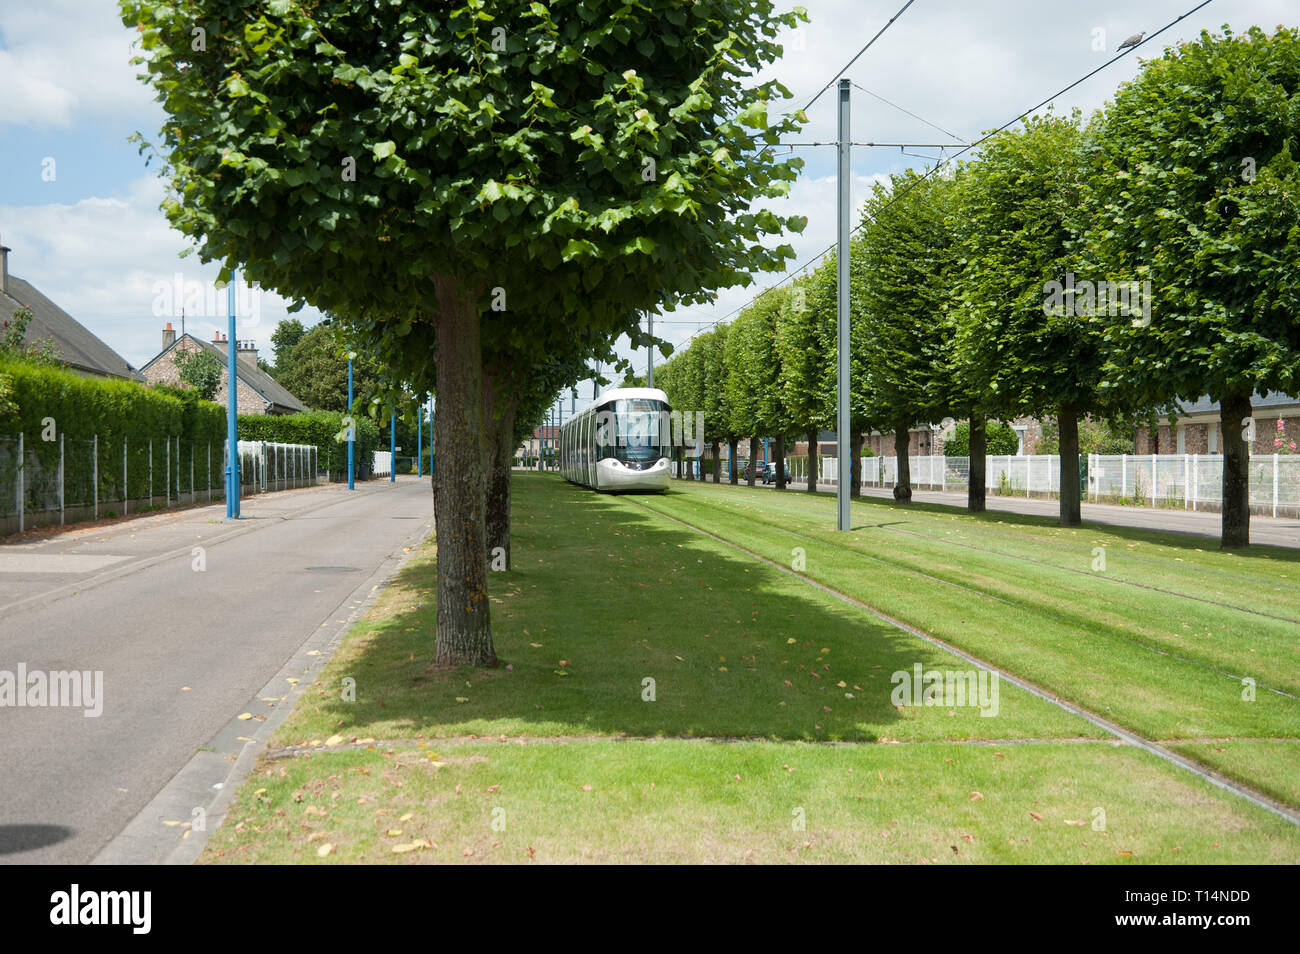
753 382
320 428
1018 219
287 334
201 371
315 371
806 365
903 272
13 331
1197 189
46 403
1001 439
1096 436
81 407
615 150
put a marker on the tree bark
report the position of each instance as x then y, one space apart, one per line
753 461
1234 414
855 452
1067 428
717 462
732 446
812 460
903 482
778 458
977 491
464 629
499 408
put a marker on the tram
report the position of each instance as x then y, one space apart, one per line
621 442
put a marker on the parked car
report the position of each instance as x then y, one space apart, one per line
769 474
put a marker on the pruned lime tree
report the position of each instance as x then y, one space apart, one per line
903 273
803 328
566 164
1025 332
1198 192
754 372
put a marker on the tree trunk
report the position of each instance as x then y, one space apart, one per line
717 462
464 630
1067 428
855 454
812 460
732 446
903 482
1234 418
753 461
499 407
778 458
977 491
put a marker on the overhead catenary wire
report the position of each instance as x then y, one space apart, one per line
794 272
881 32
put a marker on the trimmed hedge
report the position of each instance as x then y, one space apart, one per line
114 409
167 432
319 428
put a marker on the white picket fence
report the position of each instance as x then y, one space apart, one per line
1185 481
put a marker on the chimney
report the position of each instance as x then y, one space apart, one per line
247 352
4 269
169 336
219 340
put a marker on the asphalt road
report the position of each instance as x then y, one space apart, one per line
184 638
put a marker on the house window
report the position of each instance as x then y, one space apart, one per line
1212 437
1182 439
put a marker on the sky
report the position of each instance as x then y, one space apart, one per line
79 205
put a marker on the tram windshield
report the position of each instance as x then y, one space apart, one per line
642 426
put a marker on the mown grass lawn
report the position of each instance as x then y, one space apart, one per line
1161 640
767 732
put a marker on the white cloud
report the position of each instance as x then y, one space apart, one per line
67 62
101 260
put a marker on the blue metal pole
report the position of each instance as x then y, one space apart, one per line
392 447
419 441
352 431
232 406
430 435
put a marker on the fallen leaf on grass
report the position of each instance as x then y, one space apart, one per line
976 797
324 850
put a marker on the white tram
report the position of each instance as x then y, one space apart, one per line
621 442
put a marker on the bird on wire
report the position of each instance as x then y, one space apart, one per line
1134 40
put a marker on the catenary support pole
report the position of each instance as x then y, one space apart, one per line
843 147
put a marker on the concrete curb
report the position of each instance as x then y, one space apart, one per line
205 786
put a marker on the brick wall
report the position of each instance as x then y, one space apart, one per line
165 371
1196 437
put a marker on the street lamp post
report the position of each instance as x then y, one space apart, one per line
232 406
352 429
392 448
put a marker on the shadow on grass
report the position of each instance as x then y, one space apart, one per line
614 622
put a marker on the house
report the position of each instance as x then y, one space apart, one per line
544 436
257 392
79 349
1197 428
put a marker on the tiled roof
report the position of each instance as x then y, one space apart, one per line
267 387
77 346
